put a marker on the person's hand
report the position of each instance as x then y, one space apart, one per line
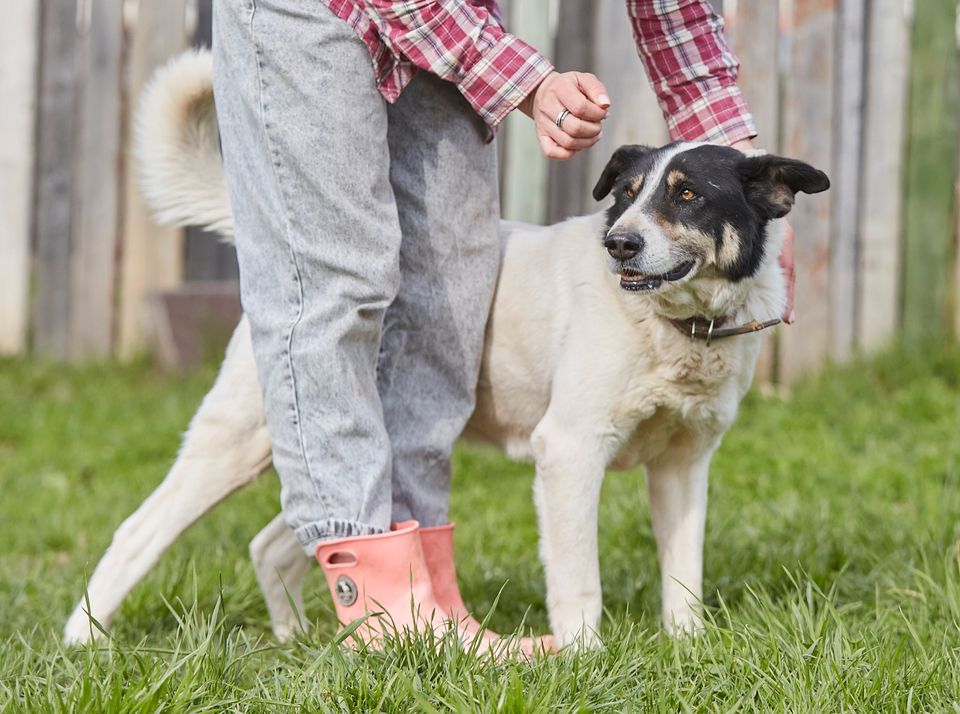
586 100
786 252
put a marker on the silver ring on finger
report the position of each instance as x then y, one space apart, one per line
560 117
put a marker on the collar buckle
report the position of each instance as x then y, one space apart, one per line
693 330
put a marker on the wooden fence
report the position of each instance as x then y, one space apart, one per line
865 89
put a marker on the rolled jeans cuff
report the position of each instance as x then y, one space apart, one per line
331 529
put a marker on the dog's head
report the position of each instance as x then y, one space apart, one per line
689 210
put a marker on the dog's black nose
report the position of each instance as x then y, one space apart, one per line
623 246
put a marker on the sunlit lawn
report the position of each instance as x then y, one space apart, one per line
831 565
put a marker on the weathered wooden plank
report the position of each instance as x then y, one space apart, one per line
152 255
754 32
574 50
525 170
19 45
55 147
96 179
203 34
930 175
956 242
956 198
808 125
205 257
635 116
846 177
884 141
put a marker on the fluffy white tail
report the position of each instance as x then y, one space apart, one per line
178 148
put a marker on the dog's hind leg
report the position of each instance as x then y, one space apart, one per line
280 565
225 448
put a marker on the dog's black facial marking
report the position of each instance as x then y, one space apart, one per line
624 174
627 156
700 202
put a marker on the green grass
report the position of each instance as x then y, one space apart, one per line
831 565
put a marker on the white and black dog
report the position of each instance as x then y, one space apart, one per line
622 338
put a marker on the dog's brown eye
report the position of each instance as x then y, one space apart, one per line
630 193
687 195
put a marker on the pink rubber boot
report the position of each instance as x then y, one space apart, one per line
437 545
382 573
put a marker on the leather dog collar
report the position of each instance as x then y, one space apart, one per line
703 329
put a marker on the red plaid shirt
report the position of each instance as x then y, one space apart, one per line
681 42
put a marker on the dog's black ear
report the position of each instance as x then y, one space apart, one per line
770 183
621 159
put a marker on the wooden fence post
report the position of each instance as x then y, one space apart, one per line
77 199
846 177
635 116
808 131
524 171
930 173
152 256
956 200
573 49
55 147
754 33
884 141
956 241
96 179
19 38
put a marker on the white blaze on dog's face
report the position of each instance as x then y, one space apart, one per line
691 209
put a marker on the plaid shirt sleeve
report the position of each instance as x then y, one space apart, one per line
465 44
692 70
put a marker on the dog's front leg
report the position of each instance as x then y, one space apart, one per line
567 494
677 483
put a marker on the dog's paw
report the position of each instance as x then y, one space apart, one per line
578 638
286 630
79 630
684 622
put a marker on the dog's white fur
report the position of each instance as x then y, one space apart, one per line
578 374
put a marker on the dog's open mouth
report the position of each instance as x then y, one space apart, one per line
632 280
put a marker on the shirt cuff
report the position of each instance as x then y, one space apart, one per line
720 115
501 79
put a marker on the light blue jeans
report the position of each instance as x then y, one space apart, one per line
367 241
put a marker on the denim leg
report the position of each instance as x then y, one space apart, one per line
304 135
444 176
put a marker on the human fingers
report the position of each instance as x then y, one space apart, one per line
579 128
563 139
567 91
593 88
551 150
